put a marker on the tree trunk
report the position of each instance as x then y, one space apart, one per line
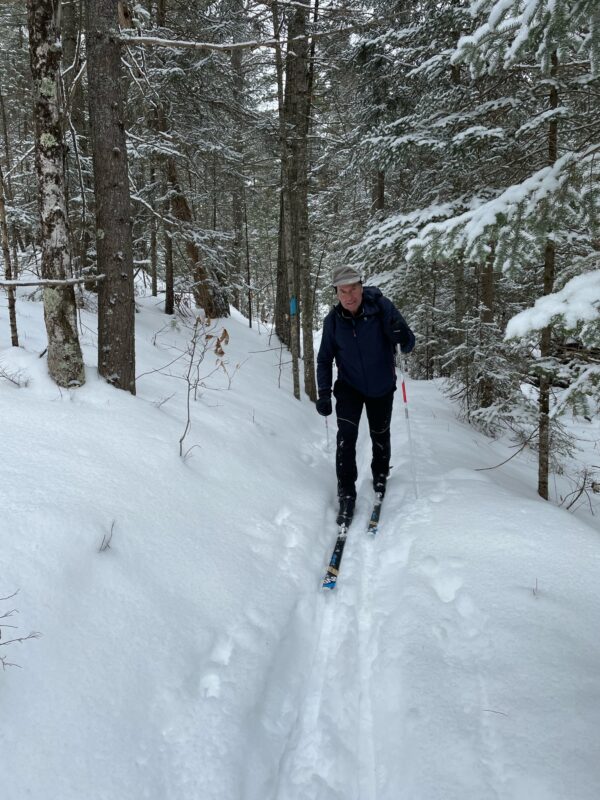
486 384
77 134
9 191
546 338
238 206
14 336
283 321
207 294
153 238
248 272
116 303
65 362
307 289
378 192
169 288
282 297
293 130
161 13
431 352
72 60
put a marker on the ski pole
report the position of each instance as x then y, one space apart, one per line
406 415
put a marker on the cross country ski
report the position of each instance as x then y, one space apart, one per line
333 570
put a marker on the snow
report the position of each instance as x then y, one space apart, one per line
578 301
465 230
196 657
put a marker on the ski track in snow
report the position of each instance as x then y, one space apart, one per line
330 748
356 716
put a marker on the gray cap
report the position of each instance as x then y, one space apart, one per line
344 276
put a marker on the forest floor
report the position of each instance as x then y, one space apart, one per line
187 651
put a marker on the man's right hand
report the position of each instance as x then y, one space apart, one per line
324 404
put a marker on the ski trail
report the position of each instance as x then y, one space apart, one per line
373 618
322 756
366 649
330 749
305 734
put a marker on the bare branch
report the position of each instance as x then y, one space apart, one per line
107 539
156 41
32 635
65 282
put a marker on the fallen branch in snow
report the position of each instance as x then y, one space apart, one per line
584 483
107 539
17 378
506 460
48 282
17 639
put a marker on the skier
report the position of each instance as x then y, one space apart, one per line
360 333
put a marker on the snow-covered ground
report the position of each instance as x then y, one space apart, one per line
197 658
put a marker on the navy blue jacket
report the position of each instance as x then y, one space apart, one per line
363 346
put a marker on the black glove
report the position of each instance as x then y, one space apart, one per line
324 404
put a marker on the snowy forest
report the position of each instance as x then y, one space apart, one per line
178 181
233 153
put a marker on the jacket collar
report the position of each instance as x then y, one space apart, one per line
347 315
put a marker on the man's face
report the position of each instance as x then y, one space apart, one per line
350 296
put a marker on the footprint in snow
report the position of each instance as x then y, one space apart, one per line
211 685
222 650
220 656
465 606
282 515
444 583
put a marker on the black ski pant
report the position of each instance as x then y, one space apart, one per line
348 409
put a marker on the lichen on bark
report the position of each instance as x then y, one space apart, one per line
65 361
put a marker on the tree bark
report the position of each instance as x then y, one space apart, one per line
116 303
153 238
486 384
9 191
546 337
169 283
207 293
77 133
12 314
238 206
378 192
306 283
72 60
293 129
65 362
282 297
283 323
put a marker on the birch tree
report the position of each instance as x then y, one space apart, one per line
65 362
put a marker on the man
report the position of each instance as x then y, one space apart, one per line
360 333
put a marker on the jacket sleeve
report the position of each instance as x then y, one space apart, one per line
325 358
397 328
